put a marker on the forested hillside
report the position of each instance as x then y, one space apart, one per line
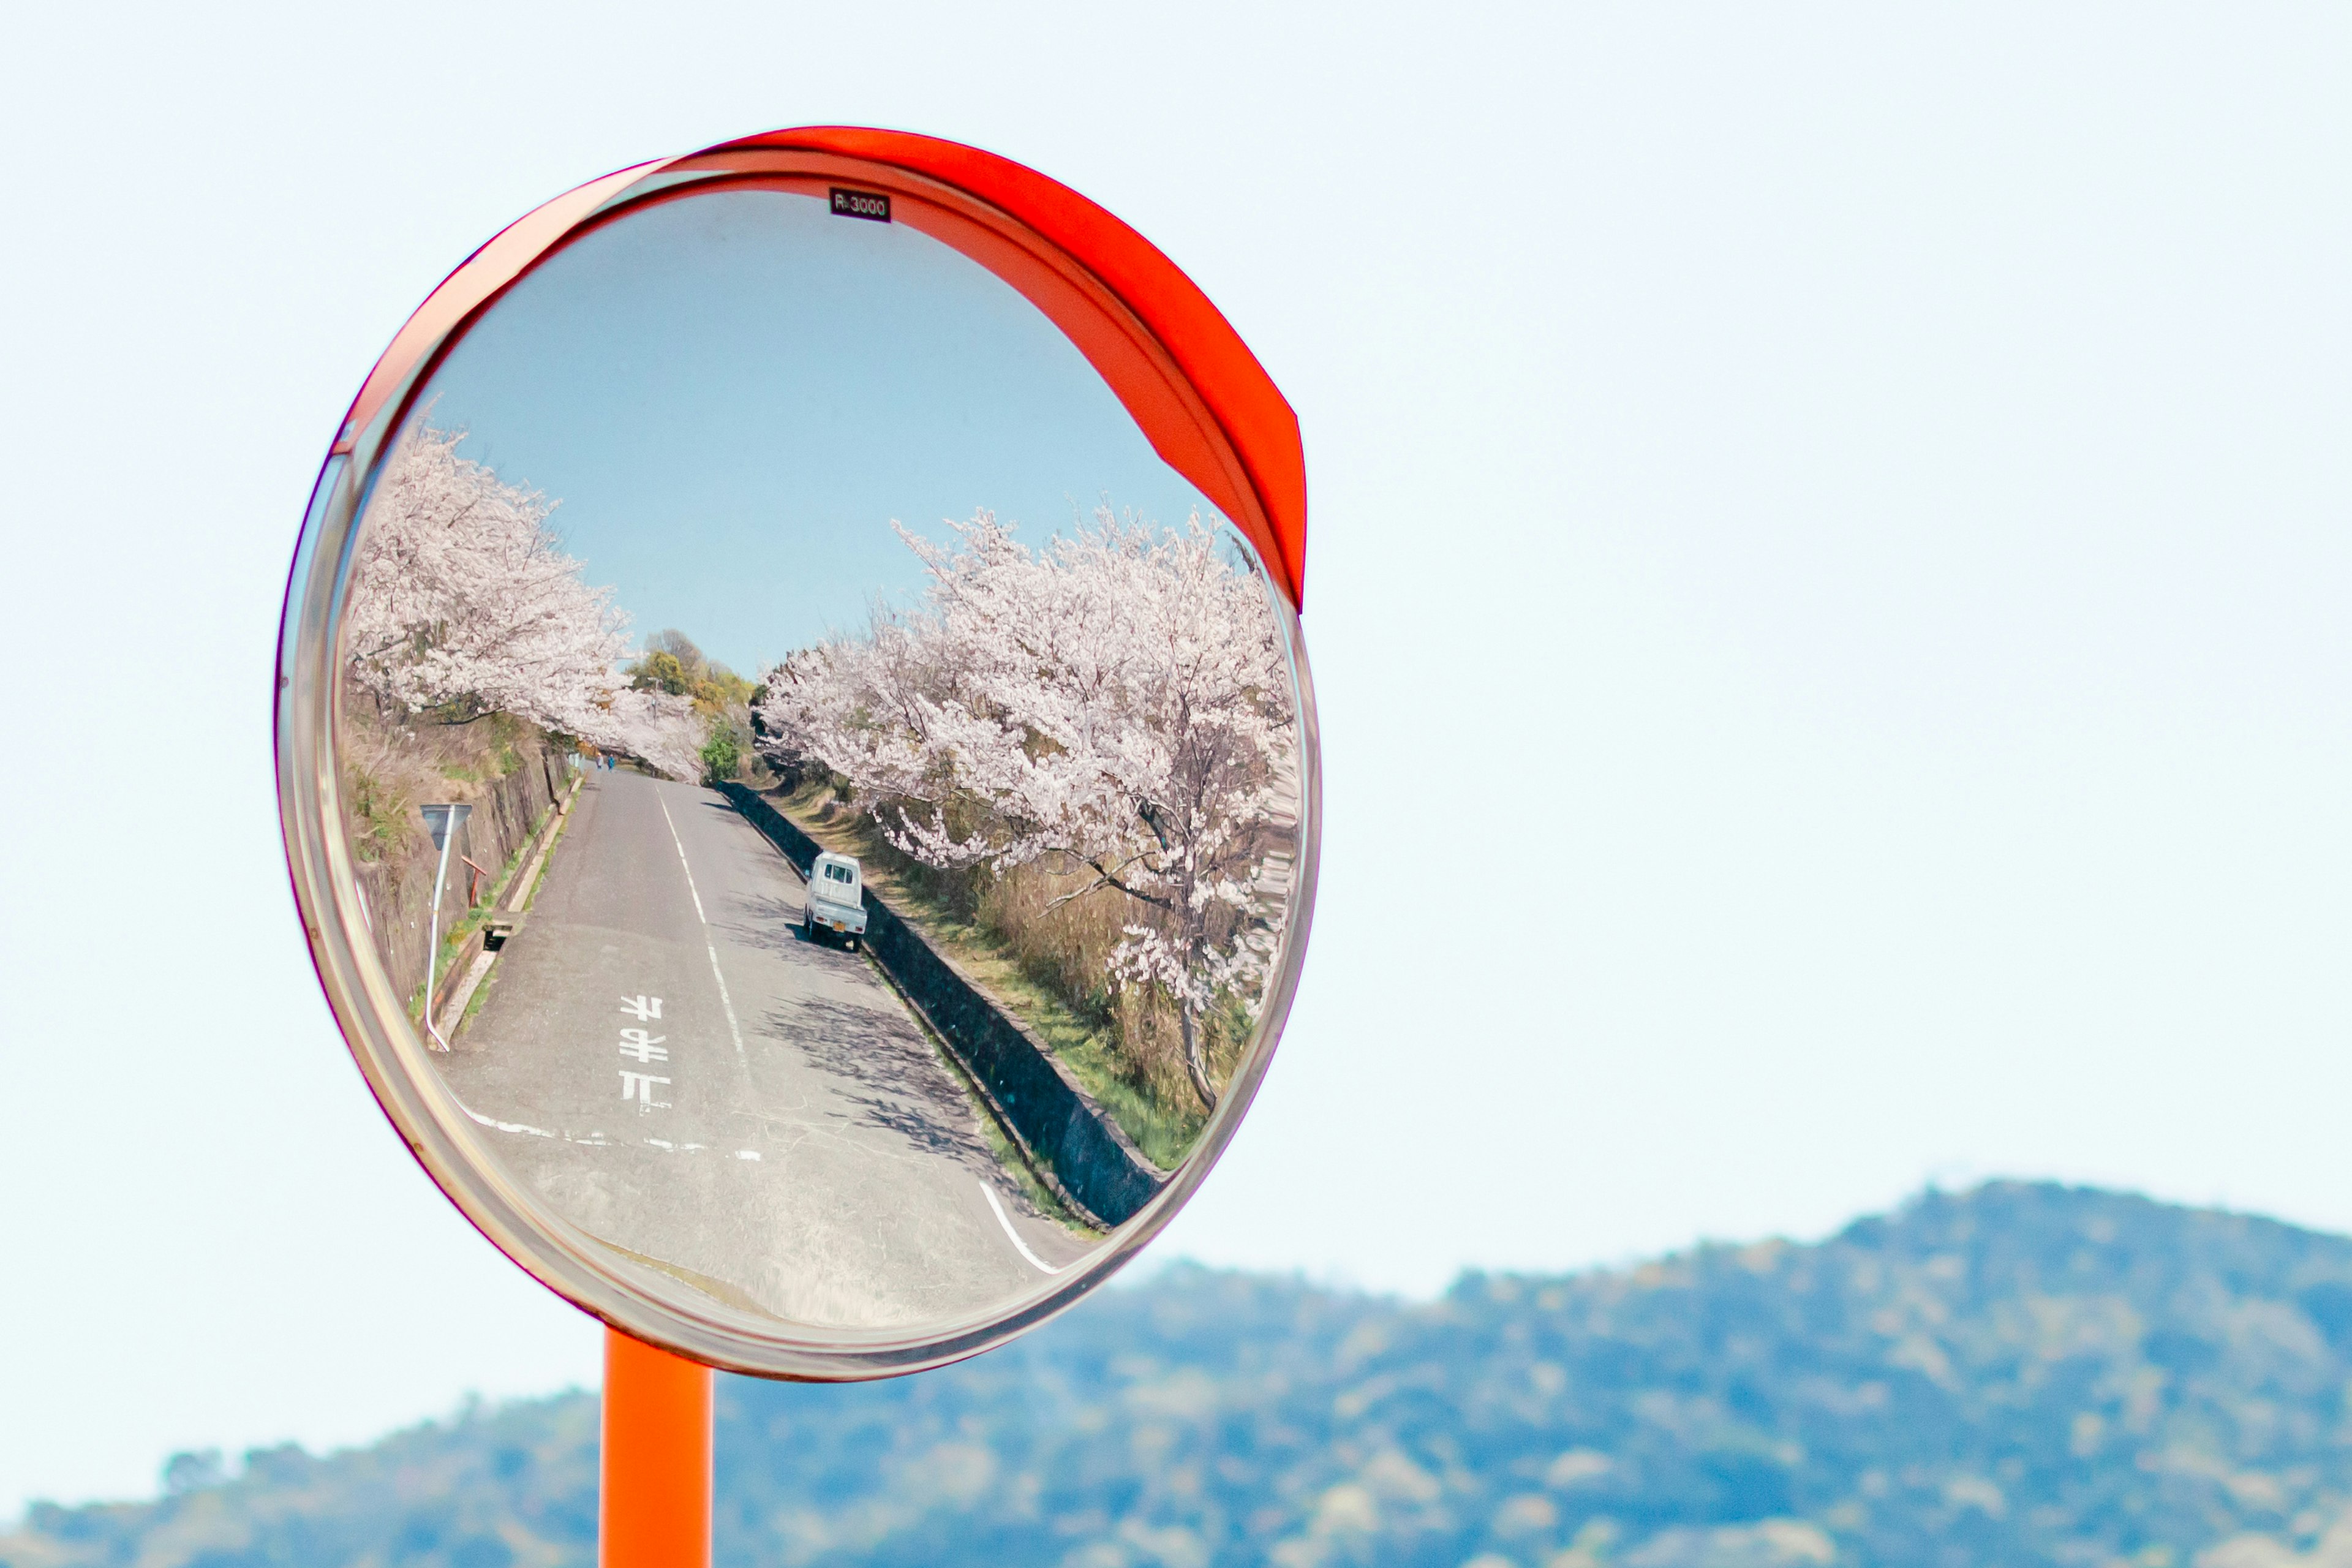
2019 1374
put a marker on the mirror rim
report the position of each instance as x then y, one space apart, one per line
567 1259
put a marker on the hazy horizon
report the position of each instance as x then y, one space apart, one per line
472 1406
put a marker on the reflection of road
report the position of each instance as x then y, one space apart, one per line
665 1057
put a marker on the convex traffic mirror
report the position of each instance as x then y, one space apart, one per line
796 747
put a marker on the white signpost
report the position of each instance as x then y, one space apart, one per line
443 822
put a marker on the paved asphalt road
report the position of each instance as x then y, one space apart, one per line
666 1059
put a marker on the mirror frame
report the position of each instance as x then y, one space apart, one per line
1200 397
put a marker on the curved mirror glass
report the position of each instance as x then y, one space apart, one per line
826 789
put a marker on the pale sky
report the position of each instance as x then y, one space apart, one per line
1840 513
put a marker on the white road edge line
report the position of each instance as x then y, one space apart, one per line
594 1141
1010 1234
512 1126
725 1001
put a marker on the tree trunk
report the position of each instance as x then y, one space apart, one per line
1194 1065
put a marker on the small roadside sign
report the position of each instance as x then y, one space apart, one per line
443 820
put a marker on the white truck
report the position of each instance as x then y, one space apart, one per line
837 899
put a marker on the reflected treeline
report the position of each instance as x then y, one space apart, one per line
1091 747
478 664
462 604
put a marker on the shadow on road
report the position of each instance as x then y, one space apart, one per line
762 920
909 1091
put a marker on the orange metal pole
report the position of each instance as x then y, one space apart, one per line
654 1473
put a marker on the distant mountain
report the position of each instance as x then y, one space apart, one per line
2018 1375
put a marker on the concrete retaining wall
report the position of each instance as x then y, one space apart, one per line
1059 1122
399 893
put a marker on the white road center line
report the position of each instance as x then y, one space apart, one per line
682 860
1012 1234
726 1003
733 1029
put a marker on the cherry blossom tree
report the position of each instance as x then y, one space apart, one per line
462 604
1116 704
658 728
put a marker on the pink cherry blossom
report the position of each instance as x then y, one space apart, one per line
1117 703
462 604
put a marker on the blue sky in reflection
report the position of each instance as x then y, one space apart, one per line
732 395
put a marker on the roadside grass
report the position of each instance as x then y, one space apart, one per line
562 827
474 1002
378 812
1095 1034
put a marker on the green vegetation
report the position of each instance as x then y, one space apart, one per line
378 815
722 754
2019 1376
562 827
671 663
